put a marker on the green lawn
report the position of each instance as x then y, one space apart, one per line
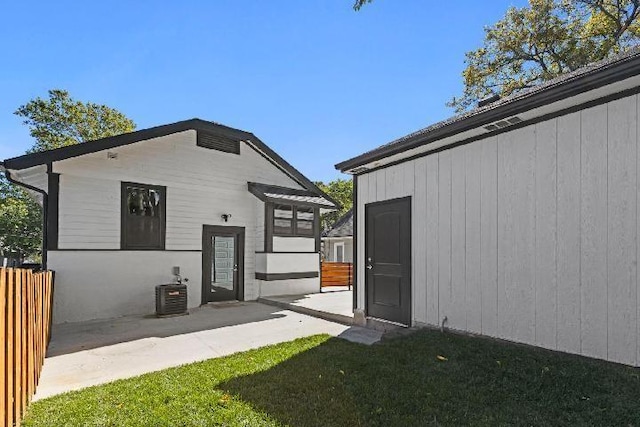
426 378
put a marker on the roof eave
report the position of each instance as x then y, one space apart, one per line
579 84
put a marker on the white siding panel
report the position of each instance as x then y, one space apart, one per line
260 226
274 263
202 186
89 213
621 261
568 276
107 284
473 299
594 232
288 287
419 251
431 242
444 235
489 235
293 244
545 239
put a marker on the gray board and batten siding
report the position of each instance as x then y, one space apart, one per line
528 235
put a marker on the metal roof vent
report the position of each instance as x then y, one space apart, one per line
488 100
503 123
359 170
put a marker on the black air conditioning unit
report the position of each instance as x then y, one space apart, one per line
171 300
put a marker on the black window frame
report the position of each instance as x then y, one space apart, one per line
125 240
293 231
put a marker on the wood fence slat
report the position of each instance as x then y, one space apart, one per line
10 344
17 363
336 274
31 336
3 345
25 315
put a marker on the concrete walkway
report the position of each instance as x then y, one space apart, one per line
90 353
333 305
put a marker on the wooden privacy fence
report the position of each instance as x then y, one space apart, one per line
25 320
336 274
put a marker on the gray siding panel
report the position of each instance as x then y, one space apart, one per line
594 232
621 216
473 274
568 239
530 235
545 238
489 235
444 234
457 312
516 234
419 242
431 242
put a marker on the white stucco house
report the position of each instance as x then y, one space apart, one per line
122 212
338 240
518 220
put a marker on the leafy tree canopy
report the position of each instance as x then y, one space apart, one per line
359 3
54 122
543 40
342 191
20 222
61 120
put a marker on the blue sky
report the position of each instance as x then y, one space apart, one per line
316 81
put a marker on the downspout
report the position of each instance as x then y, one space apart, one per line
45 199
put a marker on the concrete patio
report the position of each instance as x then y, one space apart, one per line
334 304
90 353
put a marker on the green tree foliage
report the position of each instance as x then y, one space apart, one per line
54 122
543 40
341 190
359 3
20 222
61 120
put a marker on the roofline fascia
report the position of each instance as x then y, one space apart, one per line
44 157
563 90
303 180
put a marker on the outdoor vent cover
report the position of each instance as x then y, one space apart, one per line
503 123
360 169
171 300
218 142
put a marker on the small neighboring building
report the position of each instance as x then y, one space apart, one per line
338 241
122 212
518 220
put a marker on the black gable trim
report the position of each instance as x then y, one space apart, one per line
221 131
44 157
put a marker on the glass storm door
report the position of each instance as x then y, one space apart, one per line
221 264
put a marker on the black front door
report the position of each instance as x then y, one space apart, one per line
222 263
388 260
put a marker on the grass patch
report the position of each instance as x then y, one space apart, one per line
427 378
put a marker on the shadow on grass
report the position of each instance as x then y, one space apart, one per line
430 378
